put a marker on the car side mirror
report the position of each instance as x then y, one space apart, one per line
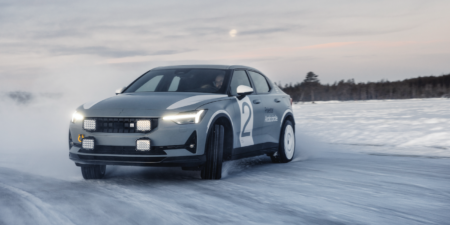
243 90
120 90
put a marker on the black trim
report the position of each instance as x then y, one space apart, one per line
254 150
183 161
124 150
169 147
119 125
119 158
131 150
286 117
191 140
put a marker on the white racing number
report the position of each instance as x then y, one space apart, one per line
247 115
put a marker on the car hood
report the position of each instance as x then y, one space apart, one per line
147 104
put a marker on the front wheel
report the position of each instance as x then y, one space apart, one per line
286 147
93 171
214 154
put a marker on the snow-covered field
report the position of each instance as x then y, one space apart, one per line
418 127
372 162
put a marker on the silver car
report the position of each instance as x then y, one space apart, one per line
193 117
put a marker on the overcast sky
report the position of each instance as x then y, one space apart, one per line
59 46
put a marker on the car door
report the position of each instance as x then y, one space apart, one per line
250 110
270 129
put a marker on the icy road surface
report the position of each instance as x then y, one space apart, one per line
375 162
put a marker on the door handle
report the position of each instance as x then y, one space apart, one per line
256 101
277 100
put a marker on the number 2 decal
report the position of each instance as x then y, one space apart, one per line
245 134
246 114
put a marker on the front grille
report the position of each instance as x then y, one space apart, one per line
119 125
123 150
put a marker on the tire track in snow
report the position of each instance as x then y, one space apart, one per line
42 211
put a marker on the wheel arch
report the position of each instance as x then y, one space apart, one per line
223 119
288 115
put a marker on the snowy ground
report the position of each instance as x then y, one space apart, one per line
419 127
374 162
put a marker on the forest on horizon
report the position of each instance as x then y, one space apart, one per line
310 89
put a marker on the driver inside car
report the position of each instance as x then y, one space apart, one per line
216 84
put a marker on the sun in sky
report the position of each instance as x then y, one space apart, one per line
233 33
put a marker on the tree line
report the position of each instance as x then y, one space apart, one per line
310 89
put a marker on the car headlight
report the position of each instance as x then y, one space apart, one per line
187 117
77 116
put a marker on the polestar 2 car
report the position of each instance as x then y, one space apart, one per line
193 117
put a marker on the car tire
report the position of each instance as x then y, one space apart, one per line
274 158
93 171
214 154
286 149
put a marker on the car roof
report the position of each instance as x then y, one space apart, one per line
223 67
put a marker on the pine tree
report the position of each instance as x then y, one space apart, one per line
311 81
311 78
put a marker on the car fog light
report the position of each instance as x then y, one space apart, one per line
89 125
143 145
88 143
143 125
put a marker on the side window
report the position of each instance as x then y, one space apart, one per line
239 78
260 81
151 84
174 84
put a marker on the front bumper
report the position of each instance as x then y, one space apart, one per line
170 143
181 161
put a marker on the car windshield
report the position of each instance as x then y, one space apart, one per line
182 80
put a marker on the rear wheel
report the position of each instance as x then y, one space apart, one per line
286 147
214 154
93 171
